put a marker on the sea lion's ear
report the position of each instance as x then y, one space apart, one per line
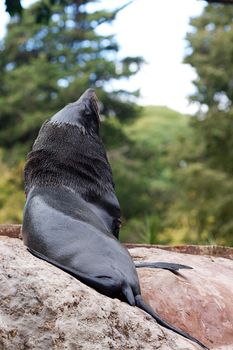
90 101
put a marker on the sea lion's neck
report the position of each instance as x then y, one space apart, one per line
63 155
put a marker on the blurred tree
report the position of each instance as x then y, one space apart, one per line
206 186
44 67
144 174
11 194
211 53
44 11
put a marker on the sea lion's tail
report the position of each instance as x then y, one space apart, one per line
139 302
142 305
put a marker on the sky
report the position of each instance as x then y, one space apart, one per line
155 30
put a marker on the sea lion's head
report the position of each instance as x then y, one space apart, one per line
83 113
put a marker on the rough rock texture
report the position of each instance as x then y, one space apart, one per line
213 250
199 301
10 230
42 307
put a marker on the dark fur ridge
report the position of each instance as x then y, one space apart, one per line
62 155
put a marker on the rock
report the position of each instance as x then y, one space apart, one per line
213 250
42 307
198 301
10 230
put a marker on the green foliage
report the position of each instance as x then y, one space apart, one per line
146 230
216 134
204 203
203 208
210 53
44 9
144 172
44 67
113 134
11 193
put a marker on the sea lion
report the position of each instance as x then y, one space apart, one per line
72 215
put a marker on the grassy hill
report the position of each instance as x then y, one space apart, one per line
160 133
158 125
144 171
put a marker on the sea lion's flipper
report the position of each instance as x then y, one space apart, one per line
103 284
128 294
161 265
142 305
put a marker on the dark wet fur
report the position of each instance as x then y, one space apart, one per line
69 162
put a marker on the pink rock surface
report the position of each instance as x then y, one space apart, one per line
42 307
199 301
